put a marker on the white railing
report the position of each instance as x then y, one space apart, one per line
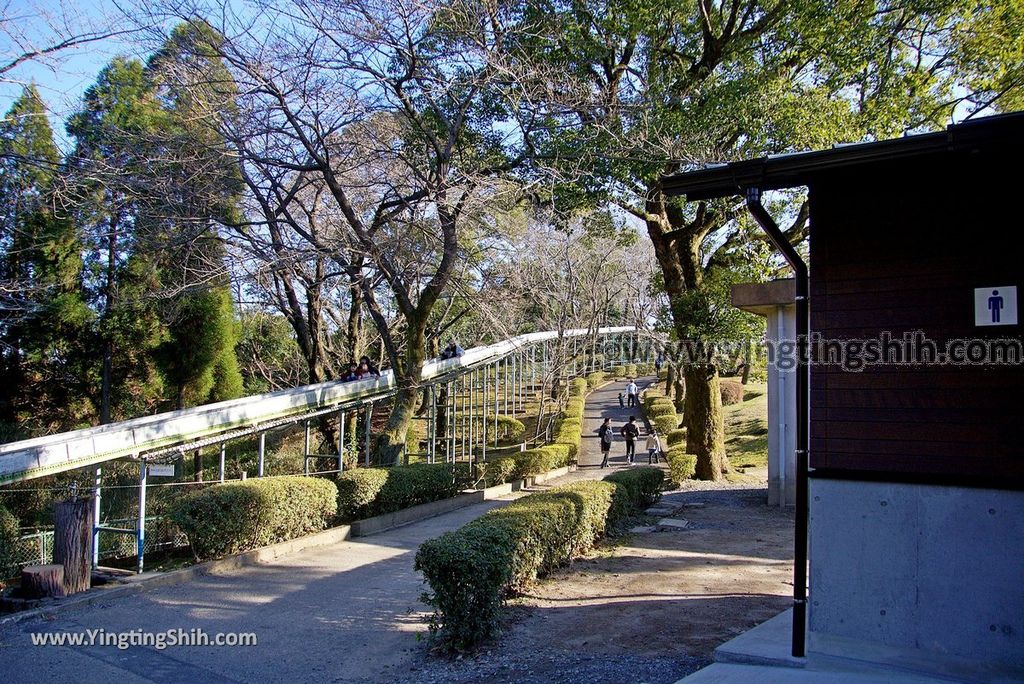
31 458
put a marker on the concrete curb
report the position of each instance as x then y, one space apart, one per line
361 528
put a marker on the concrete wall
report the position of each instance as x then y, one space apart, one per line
781 413
918 569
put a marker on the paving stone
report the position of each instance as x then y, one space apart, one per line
674 523
643 529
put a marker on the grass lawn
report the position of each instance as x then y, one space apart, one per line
746 429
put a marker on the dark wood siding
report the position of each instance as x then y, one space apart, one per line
901 249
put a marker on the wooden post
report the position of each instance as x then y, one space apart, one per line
42 581
72 539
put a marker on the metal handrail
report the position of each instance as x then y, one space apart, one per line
31 458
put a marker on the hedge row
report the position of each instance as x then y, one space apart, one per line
578 387
681 465
642 486
660 411
595 379
366 492
524 463
239 516
471 570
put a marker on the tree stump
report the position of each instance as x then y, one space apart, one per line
72 542
42 581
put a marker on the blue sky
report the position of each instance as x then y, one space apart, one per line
63 78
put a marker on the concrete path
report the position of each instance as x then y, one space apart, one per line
604 403
346 612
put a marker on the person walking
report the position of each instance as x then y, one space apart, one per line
630 432
653 447
605 434
631 392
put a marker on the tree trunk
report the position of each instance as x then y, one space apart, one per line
72 542
702 416
679 387
390 443
42 581
670 378
197 465
746 373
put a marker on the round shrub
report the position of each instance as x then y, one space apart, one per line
595 379
629 370
510 425
666 424
616 372
578 388
239 516
573 408
732 392
681 465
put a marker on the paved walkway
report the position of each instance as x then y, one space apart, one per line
604 403
346 612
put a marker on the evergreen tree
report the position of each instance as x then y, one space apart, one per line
42 329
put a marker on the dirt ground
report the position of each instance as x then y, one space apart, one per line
646 606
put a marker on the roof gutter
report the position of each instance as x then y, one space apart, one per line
767 223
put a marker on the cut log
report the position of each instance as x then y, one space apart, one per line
42 581
72 542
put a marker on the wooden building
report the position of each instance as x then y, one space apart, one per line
915 463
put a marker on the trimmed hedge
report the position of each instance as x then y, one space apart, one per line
568 433
595 379
9 535
574 408
666 424
661 408
578 388
616 372
629 370
525 463
642 485
471 570
366 492
681 465
674 437
645 369
511 424
239 516
732 392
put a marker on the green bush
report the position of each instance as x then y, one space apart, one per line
629 370
358 489
509 424
239 516
568 433
578 388
666 424
472 569
732 392
366 492
642 485
616 372
595 379
498 471
573 408
645 369
674 437
9 534
681 465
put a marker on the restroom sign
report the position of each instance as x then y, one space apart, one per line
995 305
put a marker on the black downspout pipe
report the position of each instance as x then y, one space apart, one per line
767 223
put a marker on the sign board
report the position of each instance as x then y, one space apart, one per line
161 470
995 305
